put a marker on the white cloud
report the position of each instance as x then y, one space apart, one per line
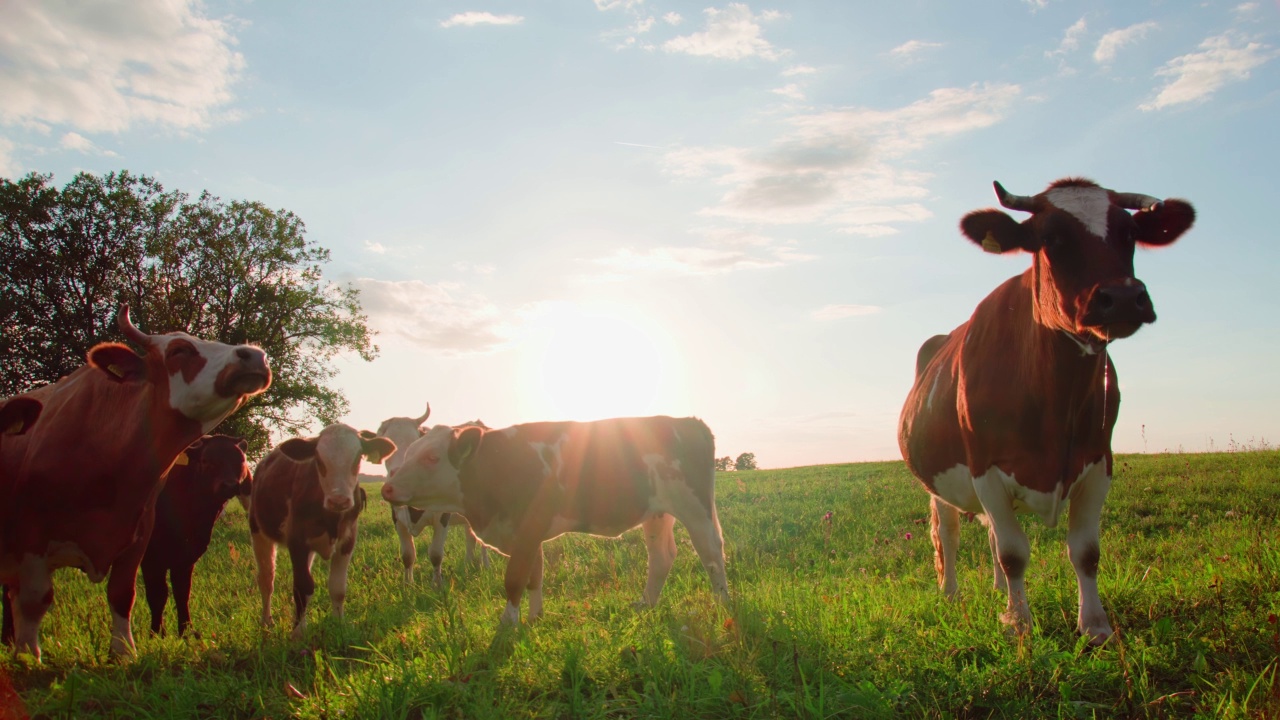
795 70
839 312
477 268
644 25
79 143
442 318
473 18
911 48
732 33
1037 4
1247 8
727 251
672 18
1223 59
603 5
841 167
1116 39
1070 40
791 90
9 167
375 247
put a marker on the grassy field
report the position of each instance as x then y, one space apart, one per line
834 617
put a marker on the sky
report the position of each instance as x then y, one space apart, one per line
743 211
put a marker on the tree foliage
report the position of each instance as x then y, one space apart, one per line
724 463
230 271
745 461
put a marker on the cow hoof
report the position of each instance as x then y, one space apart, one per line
296 635
641 605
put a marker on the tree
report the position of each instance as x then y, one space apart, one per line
229 271
724 463
745 461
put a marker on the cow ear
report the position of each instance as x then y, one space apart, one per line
119 362
1164 223
242 444
376 448
464 445
18 415
300 449
367 434
996 232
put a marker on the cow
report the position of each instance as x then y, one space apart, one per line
211 471
83 482
527 484
306 497
17 415
411 521
1012 412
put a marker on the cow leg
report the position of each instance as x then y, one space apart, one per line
1084 518
521 567
408 547
944 529
122 585
704 532
435 553
998 581
535 587
157 589
264 555
1013 550
472 541
304 586
30 600
338 566
6 609
660 540
181 575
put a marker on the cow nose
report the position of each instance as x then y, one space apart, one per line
338 504
1128 302
388 493
252 356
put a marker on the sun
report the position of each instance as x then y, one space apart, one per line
599 360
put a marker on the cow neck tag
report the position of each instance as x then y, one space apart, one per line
990 245
182 459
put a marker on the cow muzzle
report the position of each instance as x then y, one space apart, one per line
250 373
1117 310
338 503
389 494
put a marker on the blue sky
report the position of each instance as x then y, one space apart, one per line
570 209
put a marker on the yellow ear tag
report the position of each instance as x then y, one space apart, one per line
14 429
116 370
989 243
182 459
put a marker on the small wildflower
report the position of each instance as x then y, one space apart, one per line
827 518
907 536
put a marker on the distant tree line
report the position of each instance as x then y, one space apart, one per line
233 272
745 461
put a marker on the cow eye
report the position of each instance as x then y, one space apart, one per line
321 466
431 459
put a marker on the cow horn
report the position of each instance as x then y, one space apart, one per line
126 327
425 415
1025 203
1137 201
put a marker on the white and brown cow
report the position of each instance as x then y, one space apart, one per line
526 484
1013 411
306 497
82 484
410 521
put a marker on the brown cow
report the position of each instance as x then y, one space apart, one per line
306 497
1013 411
211 471
530 483
411 521
83 481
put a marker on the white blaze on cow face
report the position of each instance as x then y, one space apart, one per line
426 479
337 453
1089 205
209 380
403 432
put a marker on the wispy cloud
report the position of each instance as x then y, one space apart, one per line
1070 40
79 143
1111 43
840 312
1037 5
796 70
733 33
912 48
790 90
723 250
1222 59
8 165
375 247
605 5
473 18
841 167
442 318
79 66
672 18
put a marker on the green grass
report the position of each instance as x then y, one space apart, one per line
838 619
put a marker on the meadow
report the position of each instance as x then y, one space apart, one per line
836 614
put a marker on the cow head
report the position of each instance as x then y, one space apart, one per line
337 452
18 414
428 477
402 431
202 380
219 464
1083 239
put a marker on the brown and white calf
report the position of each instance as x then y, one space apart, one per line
306 497
211 471
410 521
527 484
82 484
1013 411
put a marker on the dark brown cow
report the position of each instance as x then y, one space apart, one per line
530 483
17 415
210 472
411 521
306 497
1013 411
83 481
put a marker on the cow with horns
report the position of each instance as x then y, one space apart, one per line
1013 410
